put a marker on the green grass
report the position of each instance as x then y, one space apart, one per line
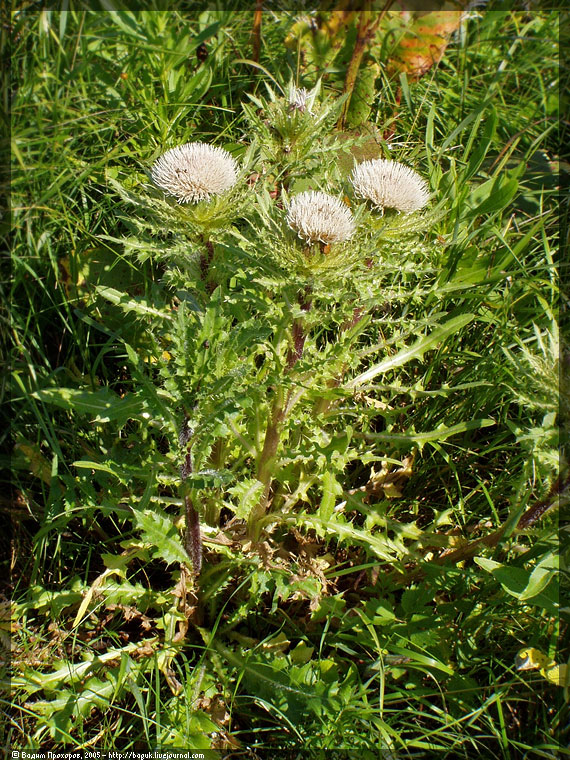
341 631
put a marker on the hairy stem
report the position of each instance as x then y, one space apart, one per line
279 410
205 260
271 442
193 541
298 334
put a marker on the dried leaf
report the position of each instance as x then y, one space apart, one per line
91 592
387 482
172 681
424 42
319 43
132 613
146 649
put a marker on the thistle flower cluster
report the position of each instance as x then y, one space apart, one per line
389 184
195 171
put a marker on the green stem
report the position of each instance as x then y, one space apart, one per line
267 458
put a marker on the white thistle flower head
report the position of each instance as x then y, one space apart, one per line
389 184
300 99
320 217
195 171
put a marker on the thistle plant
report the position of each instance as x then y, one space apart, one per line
265 337
286 429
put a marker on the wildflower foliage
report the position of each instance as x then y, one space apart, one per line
287 437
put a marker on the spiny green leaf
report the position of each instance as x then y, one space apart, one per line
414 352
345 531
247 493
440 434
331 489
127 303
158 529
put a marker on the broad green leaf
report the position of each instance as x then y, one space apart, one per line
94 693
84 464
380 611
102 403
69 672
363 95
197 85
541 576
52 602
491 196
537 582
278 680
516 580
301 653
414 352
